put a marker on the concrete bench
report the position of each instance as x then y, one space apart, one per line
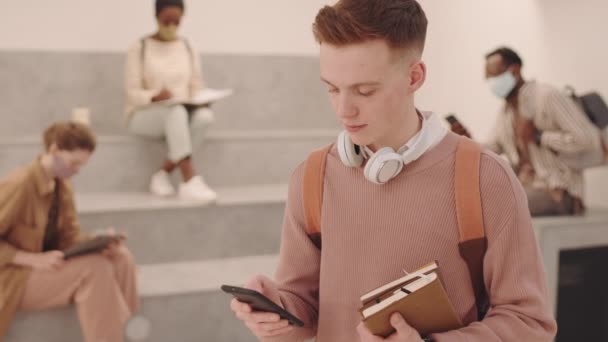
556 234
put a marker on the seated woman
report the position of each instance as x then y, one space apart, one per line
163 67
37 222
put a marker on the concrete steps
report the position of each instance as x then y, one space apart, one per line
181 301
277 115
176 241
244 221
271 92
227 158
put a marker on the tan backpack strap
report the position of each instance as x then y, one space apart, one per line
312 192
473 242
468 195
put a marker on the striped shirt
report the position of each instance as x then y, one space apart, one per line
565 129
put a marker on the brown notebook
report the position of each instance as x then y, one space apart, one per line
419 297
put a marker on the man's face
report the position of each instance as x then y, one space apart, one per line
502 78
495 66
369 86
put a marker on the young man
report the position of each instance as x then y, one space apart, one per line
536 124
370 55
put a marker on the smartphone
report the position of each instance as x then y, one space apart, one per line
259 302
451 118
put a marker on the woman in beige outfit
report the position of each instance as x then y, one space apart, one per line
163 68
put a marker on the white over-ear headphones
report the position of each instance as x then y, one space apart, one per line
385 164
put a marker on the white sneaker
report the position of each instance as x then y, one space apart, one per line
160 184
196 189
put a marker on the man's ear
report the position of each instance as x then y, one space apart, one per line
516 70
417 76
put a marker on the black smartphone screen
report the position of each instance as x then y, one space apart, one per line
259 302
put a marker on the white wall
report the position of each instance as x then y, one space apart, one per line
577 53
460 34
561 41
576 43
220 26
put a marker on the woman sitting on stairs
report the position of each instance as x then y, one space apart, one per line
38 222
159 68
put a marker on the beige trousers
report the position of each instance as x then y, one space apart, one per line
181 129
103 289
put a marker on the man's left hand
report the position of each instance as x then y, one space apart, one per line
404 333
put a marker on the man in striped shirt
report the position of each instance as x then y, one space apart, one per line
536 124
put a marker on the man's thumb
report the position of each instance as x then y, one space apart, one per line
256 283
265 286
403 329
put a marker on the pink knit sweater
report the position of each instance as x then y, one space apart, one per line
372 232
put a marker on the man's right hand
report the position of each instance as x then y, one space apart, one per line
526 173
459 129
163 95
261 324
47 261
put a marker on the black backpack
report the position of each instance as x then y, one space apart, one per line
593 105
596 110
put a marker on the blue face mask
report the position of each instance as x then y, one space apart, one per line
502 85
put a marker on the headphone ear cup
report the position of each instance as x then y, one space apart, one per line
383 166
350 154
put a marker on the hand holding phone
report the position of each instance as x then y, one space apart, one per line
456 126
262 315
259 302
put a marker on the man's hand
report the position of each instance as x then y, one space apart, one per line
47 261
261 324
526 131
526 174
405 333
459 129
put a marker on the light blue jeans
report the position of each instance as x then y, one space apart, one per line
182 130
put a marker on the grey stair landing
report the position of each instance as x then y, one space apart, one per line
225 158
245 221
